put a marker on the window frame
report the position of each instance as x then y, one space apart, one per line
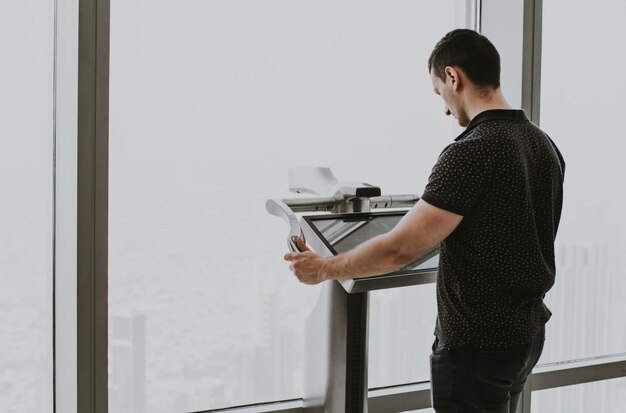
81 83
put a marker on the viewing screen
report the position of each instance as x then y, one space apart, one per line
344 233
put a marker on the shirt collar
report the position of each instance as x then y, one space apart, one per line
493 114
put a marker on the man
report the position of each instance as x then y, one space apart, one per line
493 203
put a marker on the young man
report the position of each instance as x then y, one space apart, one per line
493 203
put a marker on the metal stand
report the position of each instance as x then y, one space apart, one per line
356 349
336 330
336 352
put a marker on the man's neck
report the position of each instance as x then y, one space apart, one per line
481 101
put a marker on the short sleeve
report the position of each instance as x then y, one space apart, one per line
460 176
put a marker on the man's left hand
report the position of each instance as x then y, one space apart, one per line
306 265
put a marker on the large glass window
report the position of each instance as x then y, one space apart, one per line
402 322
26 79
581 109
211 102
600 397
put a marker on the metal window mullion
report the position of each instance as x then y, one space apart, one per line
531 92
473 15
92 206
573 373
531 59
400 398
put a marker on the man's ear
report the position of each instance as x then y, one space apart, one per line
453 77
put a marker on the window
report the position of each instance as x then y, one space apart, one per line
581 110
211 102
402 322
607 396
26 79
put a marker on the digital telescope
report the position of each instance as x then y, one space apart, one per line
336 217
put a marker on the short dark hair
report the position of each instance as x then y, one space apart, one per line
470 51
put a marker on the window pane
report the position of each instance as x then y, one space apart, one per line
26 76
402 320
608 396
583 114
211 102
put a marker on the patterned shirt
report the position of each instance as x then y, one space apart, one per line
505 177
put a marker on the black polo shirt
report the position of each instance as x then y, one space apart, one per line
505 176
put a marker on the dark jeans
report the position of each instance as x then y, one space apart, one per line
471 380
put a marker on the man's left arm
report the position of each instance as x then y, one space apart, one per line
418 232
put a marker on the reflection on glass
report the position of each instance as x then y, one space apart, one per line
336 230
346 233
26 83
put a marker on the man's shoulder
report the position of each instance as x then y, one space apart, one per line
499 135
478 140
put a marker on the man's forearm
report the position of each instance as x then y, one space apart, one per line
375 257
